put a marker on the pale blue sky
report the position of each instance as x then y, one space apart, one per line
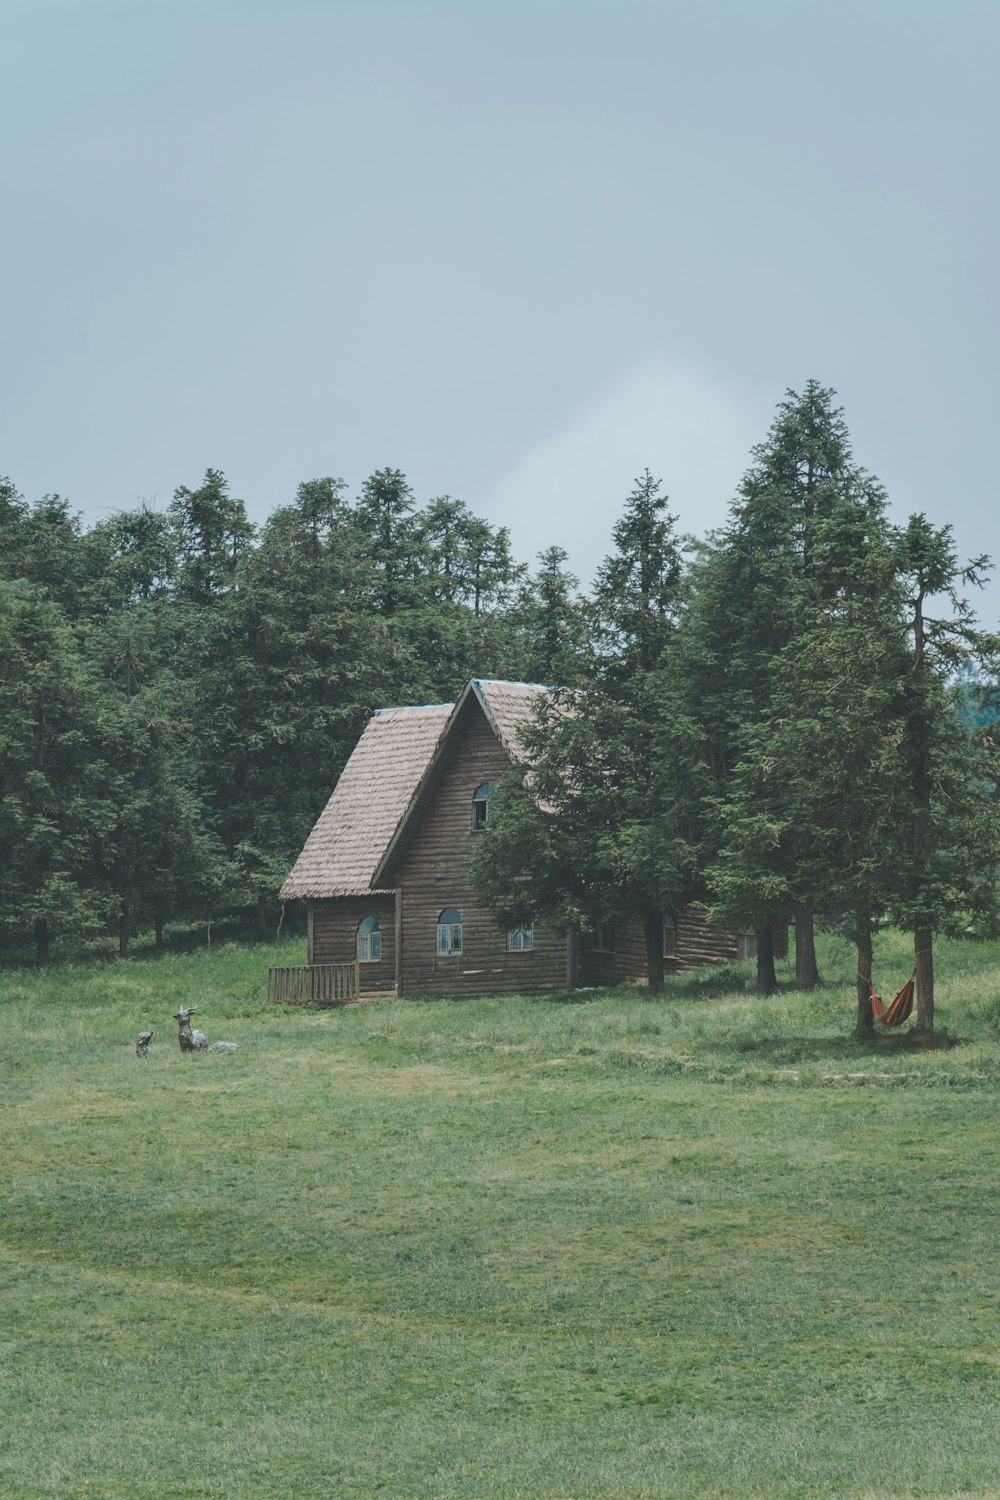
518 250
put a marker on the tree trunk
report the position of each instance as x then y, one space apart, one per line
158 931
42 942
123 934
866 1022
923 836
767 980
572 960
923 952
262 916
806 969
652 926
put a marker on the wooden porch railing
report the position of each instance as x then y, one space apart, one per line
314 984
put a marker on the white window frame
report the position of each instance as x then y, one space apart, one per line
449 935
521 939
369 944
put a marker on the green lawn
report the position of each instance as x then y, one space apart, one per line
597 1246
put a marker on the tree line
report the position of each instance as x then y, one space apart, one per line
766 719
784 720
180 690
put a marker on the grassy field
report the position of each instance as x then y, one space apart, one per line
585 1247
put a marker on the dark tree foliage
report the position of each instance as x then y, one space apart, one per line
54 780
550 626
952 774
597 820
213 530
468 561
394 540
816 809
179 692
305 670
752 587
142 554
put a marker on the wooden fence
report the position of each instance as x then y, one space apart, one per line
314 984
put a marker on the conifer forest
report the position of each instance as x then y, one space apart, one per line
789 719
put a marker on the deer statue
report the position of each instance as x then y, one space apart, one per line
192 1040
142 1042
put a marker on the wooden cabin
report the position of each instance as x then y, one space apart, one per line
386 877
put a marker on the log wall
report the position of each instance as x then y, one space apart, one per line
432 875
334 930
697 943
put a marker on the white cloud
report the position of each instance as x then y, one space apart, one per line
693 431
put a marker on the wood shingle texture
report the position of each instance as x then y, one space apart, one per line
375 788
507 706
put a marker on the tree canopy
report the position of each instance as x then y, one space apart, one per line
789 720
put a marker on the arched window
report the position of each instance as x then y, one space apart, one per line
481 804
369 941
449 932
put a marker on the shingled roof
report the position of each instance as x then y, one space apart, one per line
379 788
507 706
374 790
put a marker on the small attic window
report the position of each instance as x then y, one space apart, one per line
481 804
449 932
369 940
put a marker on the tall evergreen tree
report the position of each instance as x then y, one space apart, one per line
752 585
468 560
549 624
385 517
954 811
597 820
296 666
212 532
816 808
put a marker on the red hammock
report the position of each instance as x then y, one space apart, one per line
899 1011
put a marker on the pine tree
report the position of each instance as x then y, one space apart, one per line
384 517
212 532
750 586
549 625
954 813
295 666
816 808
598 819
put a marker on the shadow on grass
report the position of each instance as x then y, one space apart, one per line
820 1049
587 996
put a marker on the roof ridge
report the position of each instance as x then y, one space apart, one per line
411 708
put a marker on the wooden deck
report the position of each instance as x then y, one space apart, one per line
315 984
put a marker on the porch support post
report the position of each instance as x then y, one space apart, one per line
399 942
